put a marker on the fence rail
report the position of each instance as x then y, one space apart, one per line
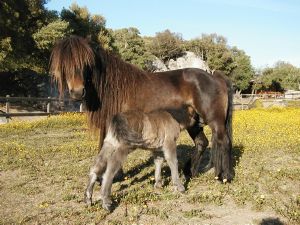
8 100
242 101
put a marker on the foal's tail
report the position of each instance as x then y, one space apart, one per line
125 132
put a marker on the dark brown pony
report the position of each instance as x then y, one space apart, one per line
109 85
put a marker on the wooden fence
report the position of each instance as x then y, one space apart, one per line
242 101
8 100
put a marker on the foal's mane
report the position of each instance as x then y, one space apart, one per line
114 81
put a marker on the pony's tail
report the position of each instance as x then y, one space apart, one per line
228 122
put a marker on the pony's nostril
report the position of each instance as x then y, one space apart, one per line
83 92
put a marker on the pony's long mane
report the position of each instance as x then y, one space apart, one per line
69 58
113 81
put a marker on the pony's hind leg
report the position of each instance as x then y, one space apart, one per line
114 163
192 167
169 150
96 172
221 153
158 161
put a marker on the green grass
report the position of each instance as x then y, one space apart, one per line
44 166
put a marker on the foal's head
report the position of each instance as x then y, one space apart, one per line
71 63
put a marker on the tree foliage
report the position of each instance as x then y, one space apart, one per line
282 76
131 46
165 45
213 49
19 20
85 24
242 72
82 22
49 34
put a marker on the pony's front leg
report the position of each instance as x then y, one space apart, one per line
192 167
158 161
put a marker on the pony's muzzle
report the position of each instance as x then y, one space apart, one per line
77 94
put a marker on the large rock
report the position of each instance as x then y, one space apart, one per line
158 66
188 60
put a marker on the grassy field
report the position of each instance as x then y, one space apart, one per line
44 166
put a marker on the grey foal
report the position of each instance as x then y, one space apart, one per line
156 131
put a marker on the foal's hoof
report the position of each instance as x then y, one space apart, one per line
88 201
107 207
180 188
158 185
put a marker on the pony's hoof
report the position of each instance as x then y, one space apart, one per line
227 177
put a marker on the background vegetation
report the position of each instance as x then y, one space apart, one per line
29 30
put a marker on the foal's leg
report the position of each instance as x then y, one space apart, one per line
114 163
169 150
96 172
201 143
158 161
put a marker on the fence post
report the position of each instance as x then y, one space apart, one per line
48 106
7 106
81 107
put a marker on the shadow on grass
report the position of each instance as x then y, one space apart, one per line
271 221
184 153
205 163
237 152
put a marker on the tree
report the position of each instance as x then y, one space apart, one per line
82 22
283 75
18 21
49 34
131 46
165 45
242 72
213 49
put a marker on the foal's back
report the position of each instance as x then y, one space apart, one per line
149 130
